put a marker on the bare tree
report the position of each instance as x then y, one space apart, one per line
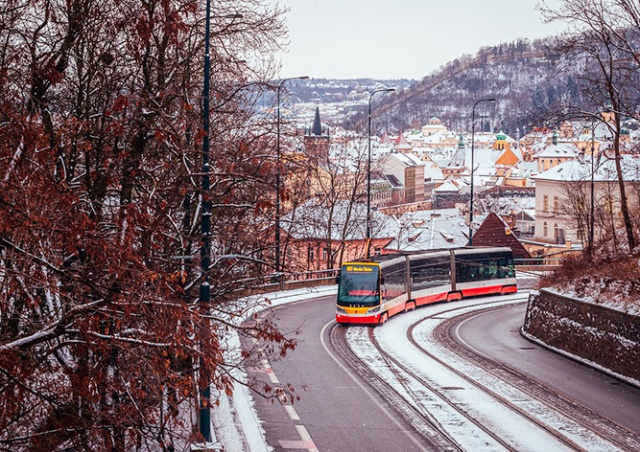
604 34
102 346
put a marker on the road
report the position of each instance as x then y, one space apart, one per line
339 412
336 412
496 334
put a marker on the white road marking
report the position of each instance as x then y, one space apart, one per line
292 412
375 399
306 442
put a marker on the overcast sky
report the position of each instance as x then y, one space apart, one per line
400 38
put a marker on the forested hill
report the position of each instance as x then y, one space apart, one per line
524 76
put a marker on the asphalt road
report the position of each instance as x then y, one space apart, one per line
337 412
496 334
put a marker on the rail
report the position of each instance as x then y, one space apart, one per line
289 281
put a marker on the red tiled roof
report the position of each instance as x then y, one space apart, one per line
494 232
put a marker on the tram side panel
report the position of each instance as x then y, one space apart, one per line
430 278
484 272
394 287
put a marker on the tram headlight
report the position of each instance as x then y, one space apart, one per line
341 310
374 310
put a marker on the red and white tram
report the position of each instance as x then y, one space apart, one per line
369 292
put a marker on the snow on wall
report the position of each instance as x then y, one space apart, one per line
604 336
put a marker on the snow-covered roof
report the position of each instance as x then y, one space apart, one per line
311 221
406 159
580 170
560 150
433 172
430 229
448 187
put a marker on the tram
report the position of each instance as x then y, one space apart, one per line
369 292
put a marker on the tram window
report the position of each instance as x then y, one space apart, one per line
492 269
394 282
487 269
466 271
484 266
429 273
361 288
506 268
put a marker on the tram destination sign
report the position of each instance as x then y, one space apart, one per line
359 269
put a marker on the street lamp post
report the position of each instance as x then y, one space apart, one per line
277 226
204 297
591 219
368 227
473 136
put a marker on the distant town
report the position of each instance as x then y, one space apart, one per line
534 190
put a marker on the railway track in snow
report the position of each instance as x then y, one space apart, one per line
606 432
420 421
459 401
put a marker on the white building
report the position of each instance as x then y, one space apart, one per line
409 170
567 187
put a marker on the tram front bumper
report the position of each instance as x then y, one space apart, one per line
357 319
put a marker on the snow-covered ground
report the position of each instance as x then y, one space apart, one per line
481 404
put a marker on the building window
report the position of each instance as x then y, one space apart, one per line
312 255
545 229
325 254
558 234
556 204
545 204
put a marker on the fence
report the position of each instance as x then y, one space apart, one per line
290 281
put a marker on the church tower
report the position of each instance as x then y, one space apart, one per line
316 139
501 143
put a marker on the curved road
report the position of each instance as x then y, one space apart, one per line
338 412
495 334
335 412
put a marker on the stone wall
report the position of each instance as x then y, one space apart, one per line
604 336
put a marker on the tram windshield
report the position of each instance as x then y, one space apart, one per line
359 285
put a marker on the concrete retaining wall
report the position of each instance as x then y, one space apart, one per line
604 336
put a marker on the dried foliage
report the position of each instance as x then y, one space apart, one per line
603 38
324 191
609 278
103 344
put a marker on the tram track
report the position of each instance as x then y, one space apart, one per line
418 396
423 424
605 428
443 393
410 375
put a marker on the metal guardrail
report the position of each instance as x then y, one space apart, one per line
538 261
289 281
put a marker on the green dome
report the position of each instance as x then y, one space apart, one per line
501 136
